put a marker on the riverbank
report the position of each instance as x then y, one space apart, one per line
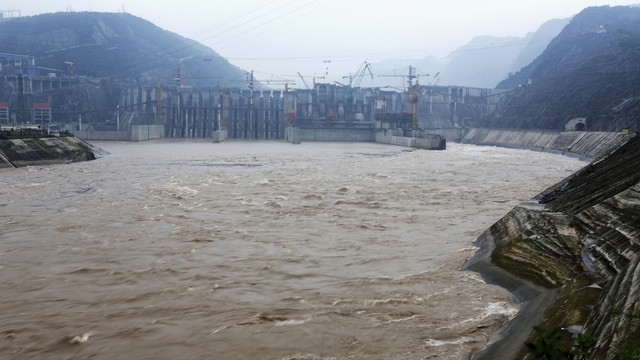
45 151
582 144
570 256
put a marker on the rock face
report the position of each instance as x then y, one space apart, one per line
45 151
589 70
571 255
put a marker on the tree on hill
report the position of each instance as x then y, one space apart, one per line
116 45
588 70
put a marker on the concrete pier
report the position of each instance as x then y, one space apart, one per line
416 139
219 136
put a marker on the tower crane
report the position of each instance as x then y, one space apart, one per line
354 82
412 92
356 79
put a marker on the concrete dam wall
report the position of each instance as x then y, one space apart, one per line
187 112
264 114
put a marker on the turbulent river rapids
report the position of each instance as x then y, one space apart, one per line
258 250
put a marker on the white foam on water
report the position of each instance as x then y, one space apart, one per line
436 343
292 322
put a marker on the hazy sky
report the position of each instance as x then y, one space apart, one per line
278 38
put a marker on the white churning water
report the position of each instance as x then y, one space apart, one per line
257 250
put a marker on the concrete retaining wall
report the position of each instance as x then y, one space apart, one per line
137 133
424 141
146 132
589 145
387 137
329 134
103 135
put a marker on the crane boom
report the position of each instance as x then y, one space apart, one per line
303 81
354 80
360 74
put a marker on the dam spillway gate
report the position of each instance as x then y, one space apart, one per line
264 114
92 106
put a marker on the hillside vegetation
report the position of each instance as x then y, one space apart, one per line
591 69
117 45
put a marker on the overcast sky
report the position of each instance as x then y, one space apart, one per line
283 37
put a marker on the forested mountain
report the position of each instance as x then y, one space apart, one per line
115 45
591 69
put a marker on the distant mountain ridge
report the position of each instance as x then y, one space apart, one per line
113 45
591 69
484 61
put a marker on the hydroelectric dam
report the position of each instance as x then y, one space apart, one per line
325 112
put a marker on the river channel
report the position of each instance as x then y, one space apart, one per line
258 250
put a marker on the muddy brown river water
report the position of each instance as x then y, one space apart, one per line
257 250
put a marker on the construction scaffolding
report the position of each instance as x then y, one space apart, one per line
41 115
5 117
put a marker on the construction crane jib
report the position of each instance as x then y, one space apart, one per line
412 92
364 68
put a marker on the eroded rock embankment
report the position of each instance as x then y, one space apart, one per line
571 255
45 151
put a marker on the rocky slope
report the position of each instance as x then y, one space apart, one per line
590 69
45 151
572 256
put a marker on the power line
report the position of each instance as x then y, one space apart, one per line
259 16
285 23
235 17
269 21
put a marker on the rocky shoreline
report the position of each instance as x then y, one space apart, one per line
571 256
45 151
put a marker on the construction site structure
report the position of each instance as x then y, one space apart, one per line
263 114
9 14
248 110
